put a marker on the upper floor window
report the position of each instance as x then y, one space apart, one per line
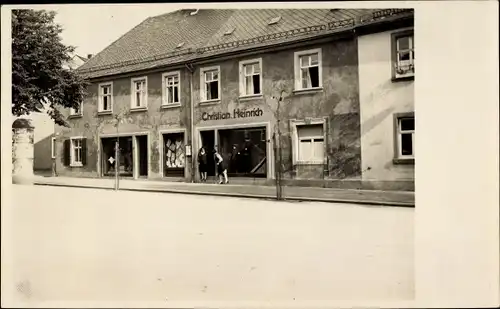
171 88
139 98
403 54
250 77
308 69
77 111
105 97
210 83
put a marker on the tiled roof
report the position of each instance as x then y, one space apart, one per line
155 41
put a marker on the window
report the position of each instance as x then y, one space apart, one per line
76 111
310 143
106 97
53 147
405 137
250 77
139 93
171 88
76 152
403 54
308 71
210 81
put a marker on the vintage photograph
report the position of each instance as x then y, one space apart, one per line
213 154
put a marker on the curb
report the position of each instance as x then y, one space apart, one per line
238 195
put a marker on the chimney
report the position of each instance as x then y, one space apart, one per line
89 56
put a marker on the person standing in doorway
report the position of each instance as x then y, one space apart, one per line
202 164
221 168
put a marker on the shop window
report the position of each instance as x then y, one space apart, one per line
174 154
171 88
403 54
405 138
310 143
75 151
139 93
250 77
308 69
210 81
105 98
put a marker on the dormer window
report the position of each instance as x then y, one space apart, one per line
274 20
230 31
180 45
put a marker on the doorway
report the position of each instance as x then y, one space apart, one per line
208 141
142 151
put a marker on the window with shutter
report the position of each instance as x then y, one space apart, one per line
84 151
67 152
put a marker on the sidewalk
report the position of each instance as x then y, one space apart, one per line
383 198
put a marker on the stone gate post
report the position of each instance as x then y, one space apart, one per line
22 151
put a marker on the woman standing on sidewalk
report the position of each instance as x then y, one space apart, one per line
221 168
202 164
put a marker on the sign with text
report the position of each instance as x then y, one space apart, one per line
237 113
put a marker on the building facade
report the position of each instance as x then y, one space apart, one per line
272 90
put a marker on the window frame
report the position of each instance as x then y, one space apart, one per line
298 69
72 147
74 114
164 76
53 147
395 36
398 157
203 83
133 93
100 98
242 77
295 124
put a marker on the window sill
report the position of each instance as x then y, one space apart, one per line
170 105
308 91
76 165
309 163
105 113
210 102
404 161
250 97
403 78
75 116
138 109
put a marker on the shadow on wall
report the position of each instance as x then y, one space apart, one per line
43 154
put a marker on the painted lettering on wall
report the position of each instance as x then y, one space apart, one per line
237 113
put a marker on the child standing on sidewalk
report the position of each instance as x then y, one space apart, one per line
221 168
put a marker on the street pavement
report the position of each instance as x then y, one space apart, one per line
370 197
98 246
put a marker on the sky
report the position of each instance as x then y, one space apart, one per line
91 28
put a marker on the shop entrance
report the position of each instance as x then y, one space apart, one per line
142 151
109 164
208 141
174 157
245 151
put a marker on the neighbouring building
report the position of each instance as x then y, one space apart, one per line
214 78
44 129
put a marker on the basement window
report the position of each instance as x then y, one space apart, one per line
274 20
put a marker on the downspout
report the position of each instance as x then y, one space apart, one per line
190 68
